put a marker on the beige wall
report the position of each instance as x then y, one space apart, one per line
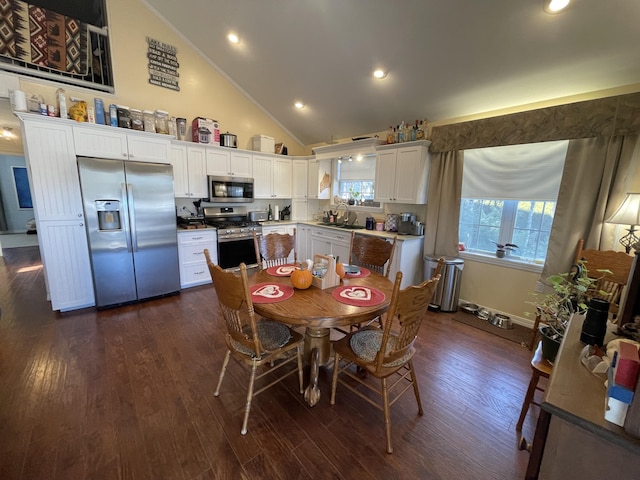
203 90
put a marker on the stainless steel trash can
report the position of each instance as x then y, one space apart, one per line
447 291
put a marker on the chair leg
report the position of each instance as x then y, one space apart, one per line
247 408
416 390
533 383
387 413
334 380
300 371
534 333
224 369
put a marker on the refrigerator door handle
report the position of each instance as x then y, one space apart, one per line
125 214
132 216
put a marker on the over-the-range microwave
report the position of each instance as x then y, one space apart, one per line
230 189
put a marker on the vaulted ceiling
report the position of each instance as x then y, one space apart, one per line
445 59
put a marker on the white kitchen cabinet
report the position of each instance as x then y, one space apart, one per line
189 171
121 144
402 173
57 200
299 175
407 258
328 241
229 162
299 209
65 257
193 264
303 241
272 176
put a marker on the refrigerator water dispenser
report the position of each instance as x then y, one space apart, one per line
108 215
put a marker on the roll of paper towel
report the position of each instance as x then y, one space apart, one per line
276 213
18 100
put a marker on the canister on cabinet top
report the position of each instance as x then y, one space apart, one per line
149 121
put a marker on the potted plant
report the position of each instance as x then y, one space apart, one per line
354 197
570 294
502 249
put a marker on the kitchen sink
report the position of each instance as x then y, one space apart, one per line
346 227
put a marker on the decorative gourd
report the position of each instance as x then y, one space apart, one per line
301 279
340 270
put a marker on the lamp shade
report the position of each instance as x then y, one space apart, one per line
629 212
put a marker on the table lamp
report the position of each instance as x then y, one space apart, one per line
628 214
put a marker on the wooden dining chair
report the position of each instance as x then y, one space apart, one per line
275 248
254 343
385 353
372 253
611 283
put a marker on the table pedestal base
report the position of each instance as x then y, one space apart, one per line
316 348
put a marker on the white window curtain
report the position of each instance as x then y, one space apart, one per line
514 172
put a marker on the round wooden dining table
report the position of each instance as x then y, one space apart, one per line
318 311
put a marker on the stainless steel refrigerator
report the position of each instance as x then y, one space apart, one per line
130 218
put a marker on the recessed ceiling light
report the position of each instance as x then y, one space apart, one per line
379 73
555 6
233 38
299 105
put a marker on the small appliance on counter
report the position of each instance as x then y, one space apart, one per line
258 216
406 221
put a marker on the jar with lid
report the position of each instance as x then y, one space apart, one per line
124 116
173 131
162 122
149 120
137 122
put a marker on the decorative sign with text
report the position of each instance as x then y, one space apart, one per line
163 65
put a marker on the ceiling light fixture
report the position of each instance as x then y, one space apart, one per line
299 105
7 133
555 6
379 73
233 38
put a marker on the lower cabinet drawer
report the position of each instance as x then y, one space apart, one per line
194 274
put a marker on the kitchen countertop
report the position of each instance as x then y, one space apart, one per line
360 231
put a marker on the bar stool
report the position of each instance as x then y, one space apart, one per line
540 367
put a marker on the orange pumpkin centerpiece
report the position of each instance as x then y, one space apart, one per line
301 279
340 270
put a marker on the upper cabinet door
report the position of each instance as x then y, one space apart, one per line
180 170
197 163
299 172
104 142
384 189
241 164
148 147
53 171
262 173
282 177
218 161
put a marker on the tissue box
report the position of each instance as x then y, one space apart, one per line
625 371
262 143
615 411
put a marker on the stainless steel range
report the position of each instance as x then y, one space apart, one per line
235 236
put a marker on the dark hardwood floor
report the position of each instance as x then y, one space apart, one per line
127 393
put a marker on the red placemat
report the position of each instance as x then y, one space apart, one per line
358 295
270 292
282 270
364 272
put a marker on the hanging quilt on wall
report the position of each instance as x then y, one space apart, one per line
41 37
